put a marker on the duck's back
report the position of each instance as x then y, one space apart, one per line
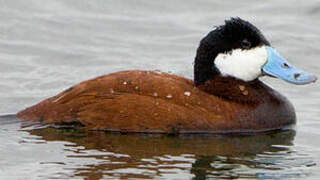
151 101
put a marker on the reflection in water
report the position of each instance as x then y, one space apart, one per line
184 156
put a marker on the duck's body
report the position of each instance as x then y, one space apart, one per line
149 101
225 96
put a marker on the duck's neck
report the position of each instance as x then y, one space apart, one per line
204 68
235 90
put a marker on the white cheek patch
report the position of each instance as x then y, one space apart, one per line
242 64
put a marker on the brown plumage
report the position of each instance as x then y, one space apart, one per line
149 101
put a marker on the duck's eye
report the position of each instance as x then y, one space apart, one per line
245 44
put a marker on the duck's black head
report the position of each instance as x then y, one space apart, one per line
238 49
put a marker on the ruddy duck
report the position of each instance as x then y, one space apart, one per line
225 96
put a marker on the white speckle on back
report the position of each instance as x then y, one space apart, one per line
136 88
157 72
169 96
155 94
111 90
58 99
187 93
125 83
242 64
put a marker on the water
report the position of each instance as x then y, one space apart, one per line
48 46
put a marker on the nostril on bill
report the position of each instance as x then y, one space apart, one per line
296 75
285 65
